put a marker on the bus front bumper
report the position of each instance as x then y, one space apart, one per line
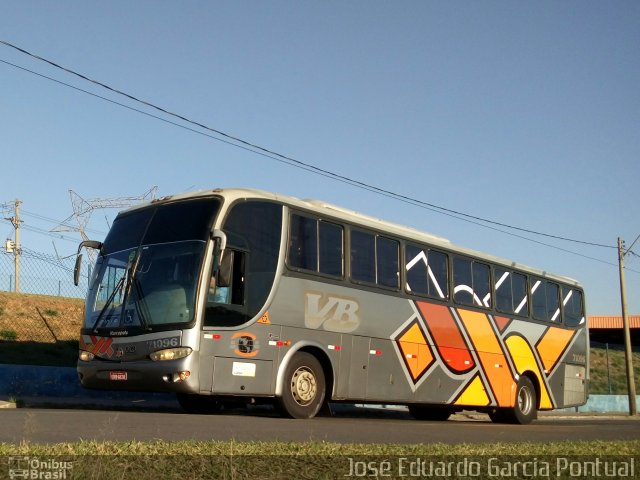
148 376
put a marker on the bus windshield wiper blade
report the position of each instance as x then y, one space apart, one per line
116 289
129 273
141 306
133 282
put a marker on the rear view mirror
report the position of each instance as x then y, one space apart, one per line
225 269
78 267
76 270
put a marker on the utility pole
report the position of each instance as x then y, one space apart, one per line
15 247
18 248
631 383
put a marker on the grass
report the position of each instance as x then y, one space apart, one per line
51 312
8 335
274 460
615 373
620 447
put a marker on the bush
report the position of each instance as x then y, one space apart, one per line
8 335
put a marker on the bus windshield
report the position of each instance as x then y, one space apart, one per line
147 273
158 288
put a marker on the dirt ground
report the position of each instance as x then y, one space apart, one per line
39 318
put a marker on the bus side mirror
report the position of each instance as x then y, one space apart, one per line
76 270
219 244
78 267
226 267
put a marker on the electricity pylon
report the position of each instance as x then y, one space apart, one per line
82 210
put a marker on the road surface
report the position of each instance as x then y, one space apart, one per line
35 425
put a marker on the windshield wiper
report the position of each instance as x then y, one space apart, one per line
116 289
141 306
129 273
139 302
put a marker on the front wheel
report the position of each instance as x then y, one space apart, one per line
304 387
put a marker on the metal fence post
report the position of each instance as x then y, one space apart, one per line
606 346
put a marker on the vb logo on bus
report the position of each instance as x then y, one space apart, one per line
333 313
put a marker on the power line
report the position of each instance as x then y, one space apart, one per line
238 142
43 257
44 232
57 222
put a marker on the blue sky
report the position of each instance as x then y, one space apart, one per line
527 113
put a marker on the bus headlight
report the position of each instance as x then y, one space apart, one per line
86 356
170 354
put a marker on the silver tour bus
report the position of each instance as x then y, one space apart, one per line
254 296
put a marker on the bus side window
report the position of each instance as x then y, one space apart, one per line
471 282
387 262
228 287
504 291
539 300
438 274
520 302
462 281
363 257
315 245
417 280
482 284
553 302
330 248
572 307
545 297
427 272
303 243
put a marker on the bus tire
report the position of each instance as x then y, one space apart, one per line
524 410
200 404
432 413
304 387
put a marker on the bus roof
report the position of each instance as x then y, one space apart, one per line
356 218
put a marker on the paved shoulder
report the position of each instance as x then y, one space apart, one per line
6 404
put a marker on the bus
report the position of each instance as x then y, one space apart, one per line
244 295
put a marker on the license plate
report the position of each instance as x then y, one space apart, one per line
117 376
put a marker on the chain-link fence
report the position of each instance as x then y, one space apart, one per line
608 368
41 274
40 323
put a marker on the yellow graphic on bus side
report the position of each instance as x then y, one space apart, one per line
525 361
493 354
475 394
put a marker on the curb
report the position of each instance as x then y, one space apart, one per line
5 404
78 403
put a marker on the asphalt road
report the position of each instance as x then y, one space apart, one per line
57 425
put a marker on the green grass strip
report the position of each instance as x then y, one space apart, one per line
192 448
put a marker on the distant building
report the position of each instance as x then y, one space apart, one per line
608 329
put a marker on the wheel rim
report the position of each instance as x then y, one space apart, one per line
303 386
525 403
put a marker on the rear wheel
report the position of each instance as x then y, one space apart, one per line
202 404
433 413
525 409
304 387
